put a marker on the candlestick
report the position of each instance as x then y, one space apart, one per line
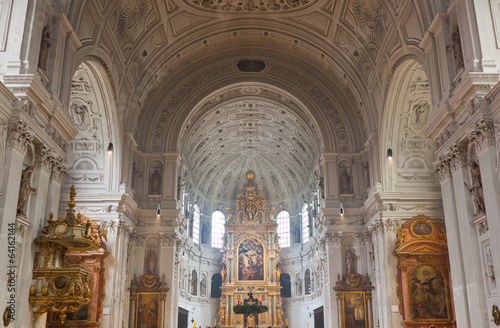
308 324
287 322
215 322
194 325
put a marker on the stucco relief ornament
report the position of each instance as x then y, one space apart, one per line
367 16
133 14
250 5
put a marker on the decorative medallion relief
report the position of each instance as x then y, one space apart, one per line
245 6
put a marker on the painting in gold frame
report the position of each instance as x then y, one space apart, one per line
148 314
250 260
428 297
354 314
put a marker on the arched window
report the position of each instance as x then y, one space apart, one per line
194 283
218 230
283 229
196 225
307 282
305 224
286 285
216 285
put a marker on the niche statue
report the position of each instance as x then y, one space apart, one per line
151 262
155 181
25 189
349 260
44 48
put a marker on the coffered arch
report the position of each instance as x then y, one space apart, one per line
250 127
165 111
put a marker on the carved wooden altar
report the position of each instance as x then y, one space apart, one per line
147 301
250 261
424 286
354 301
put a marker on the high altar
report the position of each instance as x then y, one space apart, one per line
250 264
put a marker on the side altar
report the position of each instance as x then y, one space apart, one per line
250 264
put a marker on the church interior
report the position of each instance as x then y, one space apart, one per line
249 163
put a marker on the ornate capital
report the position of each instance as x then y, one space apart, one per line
19 136
334 238
167 239
482 134
58 170
45 159
457 158
138 239
442 167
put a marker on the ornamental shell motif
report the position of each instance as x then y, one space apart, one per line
245 6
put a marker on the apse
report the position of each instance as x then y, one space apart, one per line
276 140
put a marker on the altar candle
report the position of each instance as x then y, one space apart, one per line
215 322
287 322
308 324
194 325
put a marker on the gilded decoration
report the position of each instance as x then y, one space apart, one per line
495 313
423 284
354 300
250 263
58 287
148 294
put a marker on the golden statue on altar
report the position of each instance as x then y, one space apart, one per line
250 261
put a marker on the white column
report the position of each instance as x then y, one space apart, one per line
484 141
334 253
18 140
454 244
329 161
476 296
35 214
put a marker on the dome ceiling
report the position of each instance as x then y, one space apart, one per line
250 134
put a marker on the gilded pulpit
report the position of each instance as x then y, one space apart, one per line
250 263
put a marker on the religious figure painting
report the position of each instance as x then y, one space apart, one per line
354 310
251 260
428 293
147 310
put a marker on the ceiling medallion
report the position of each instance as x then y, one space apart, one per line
133 15
245 6
368 17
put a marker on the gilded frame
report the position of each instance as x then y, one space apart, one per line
365 312
447 298
140 297
264 258
420 235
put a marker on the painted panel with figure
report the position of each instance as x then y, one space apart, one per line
354 309
428 293
147 310
250 260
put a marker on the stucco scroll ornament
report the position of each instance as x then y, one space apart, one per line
482 134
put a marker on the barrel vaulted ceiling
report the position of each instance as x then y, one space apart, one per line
333 59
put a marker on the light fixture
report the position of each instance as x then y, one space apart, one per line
110 148
341 209
158 211
389 150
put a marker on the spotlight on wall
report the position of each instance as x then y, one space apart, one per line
110 148
341 209
389 150
158 211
